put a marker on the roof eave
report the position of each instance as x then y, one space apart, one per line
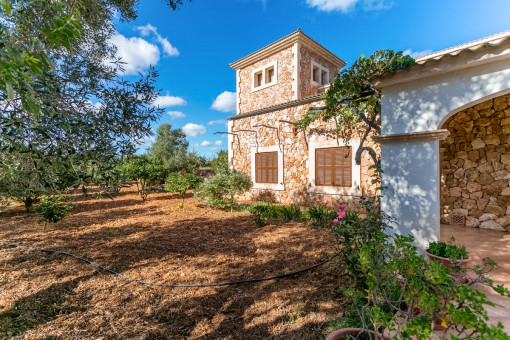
285 42
448 63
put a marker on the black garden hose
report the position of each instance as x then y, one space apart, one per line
175 285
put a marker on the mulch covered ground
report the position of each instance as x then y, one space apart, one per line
45 296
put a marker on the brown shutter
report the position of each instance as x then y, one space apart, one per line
266 167
333 166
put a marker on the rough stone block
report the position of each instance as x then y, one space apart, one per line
491 225
506 192
504 221
482 203
473 186
455 192
477 143
487 217
483 122
505 159
472 222
485 168
484 105
492 140
494 209
476 195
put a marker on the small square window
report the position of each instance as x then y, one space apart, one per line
316 74
324 77
269 74
258 79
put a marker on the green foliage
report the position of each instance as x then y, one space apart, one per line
145 171
168 141
220 190
399 278
182 160
449 250
262 212
353 232
220 163
52 210
64 104
320 216
355 83
180 183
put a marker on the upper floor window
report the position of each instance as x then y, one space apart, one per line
264 76
320 74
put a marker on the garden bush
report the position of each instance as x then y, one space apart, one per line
449 250
262 212
145 171
52 210
180 183
319 216
220 190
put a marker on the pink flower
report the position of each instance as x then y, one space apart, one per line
335 221
341 214
341 207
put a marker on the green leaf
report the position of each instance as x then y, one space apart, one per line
6 6
10 91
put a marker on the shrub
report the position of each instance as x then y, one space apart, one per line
51 210
220 190
180 183
320 216
145 171
290 213
449 250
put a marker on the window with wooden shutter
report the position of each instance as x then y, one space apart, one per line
333 166
266 167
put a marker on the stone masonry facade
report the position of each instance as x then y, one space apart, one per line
265 109
475 166
296 158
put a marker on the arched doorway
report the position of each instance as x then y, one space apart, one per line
475 166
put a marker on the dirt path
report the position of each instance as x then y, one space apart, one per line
52 296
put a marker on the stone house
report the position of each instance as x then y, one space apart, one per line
275 86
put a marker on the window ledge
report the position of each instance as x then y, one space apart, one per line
261 87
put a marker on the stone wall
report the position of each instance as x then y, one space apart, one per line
295 155
279 93
475 166
306 88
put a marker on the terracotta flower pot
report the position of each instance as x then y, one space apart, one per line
461 277
344 333
447 262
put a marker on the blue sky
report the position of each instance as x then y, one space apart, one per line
192 47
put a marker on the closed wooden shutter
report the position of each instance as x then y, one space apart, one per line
333 166
266 167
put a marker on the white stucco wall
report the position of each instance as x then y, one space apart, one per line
423 104
411 175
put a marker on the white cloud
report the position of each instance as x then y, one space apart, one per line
417 54
167 47
213 149
205 143
194 130
346 5
218 142
148 141
176 114
137 53
217 122
225 102
167 101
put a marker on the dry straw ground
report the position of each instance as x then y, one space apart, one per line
45 296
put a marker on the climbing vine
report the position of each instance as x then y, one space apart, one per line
351 98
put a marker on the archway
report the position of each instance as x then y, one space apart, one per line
475 164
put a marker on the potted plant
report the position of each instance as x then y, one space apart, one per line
449 254
455 257
397 293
